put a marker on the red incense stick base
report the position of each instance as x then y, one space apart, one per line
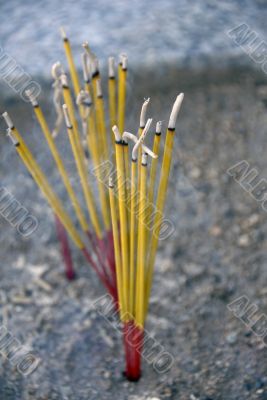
65 249
133 343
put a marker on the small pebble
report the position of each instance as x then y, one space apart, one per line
193 270
251 221
231 338
243 240
215 231
195 173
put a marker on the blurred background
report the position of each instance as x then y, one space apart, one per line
214 52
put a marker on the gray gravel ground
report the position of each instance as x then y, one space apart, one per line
217 254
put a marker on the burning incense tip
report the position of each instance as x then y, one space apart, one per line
123 61
8 120
98 88
144 159
146 129
66 116
12 137
86 68
63 33
110 182
116 133
135 149
32 98
94 66
158 127
57 70
143 113
175 111
111 67
87 48
64 80
84 98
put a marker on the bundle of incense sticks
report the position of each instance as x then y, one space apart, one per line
119 236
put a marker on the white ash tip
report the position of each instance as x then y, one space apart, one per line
94 66
143 113
85 67
63 33
144 159
31 97
98 88
128 135
57 70
110 182
111 67
13 139
86 46
146 129
84 98
158 127
175 111
64 80
66 116
8 120
116 132
123 59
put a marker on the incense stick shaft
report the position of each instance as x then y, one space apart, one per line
84 182
141 250
133 246
116 240
65 249
73 71
121 97
48 192
152 181
112 105
123 220
162 191
79 157
61 168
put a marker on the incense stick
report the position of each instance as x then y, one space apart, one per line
162 191
79 156
73 71
112 95
59 163
122 212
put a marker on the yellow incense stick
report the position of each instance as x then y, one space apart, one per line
100 114
117 250
142 123
141 250
152 177
95 88
73 71
92 133
162 191
80 157
133 234
42 182
81 168
94 140
112 96
122 214
59 163
122 75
